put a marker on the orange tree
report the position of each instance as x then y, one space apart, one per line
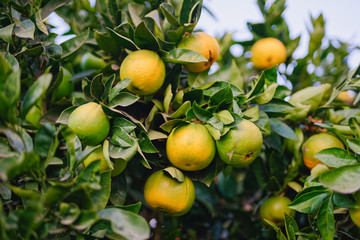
140 67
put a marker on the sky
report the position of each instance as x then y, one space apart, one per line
341 17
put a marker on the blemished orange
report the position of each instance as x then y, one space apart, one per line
168 195
241 145
204 44
267 52
273 209
315 144
190 147
146 70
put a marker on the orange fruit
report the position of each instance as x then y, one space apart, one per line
267 52
273 209
146 70
190 147
204 44
241 145
315 144
90 123
167 194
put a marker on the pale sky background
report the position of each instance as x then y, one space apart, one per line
341 18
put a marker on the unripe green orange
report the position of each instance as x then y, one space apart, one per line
241 145
166 194
66 87
273 209
90 123
91 62
190 147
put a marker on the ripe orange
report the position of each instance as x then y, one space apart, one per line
204 44
167 194
241 145
90 123
190 147
315 144
267 52
146 70
273 209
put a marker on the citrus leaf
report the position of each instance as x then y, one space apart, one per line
344 179
282 129
335 157
145 39
51 6
108 87
126 224
182 110
326 221
184 56
354 145
143 159
146 144
309 202
355 127
25 29
124 124
126 154
123 99
169 125
119 190
6 33
291 227
175 173
118 87
167 98
97 87
101 197
64 116
72 45
123 41
169 13
201 114
279 234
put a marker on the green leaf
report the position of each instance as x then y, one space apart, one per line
169 125
35 92
355 127
118 190
224 95
51 6
291 227
124 124
6 33
175 35
182 110
190 11
354 145
257 86
46 141
73 145
69 212
326 221
97 87
335 157
175 173
343 201
225 117
146 144
25 29
72 45
344 179
201 114
121 138
184 56
118 87
123 40
169 13
252 113
101 197
279 234
310 201
167 98
135 208
125 153
108 87
64 116
123 99
39 23
145 39
267 95
27 162
127 225
282 129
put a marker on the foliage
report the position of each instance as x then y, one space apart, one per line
47 193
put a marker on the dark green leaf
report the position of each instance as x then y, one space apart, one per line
118 87
108 87
51 6
309 202
291 227
123 41
201 114
326 221
355 127
97 87
224 94
169 13
354 145
123 99
101 197
72 45
46 141
282 129
184 56
118 190
146 144
145 39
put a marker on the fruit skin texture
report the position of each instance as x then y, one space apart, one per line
90 61
66 87
267 52
166 194
190 147
146 70
315 144
89 123
273 209
204 44
241 145
119 165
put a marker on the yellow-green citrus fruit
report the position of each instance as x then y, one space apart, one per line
119 165
89 123
315 144
166 194
190 147
355 212
34 115
145 69
267 52
66 87
241 145
273 209
91 62
97 155
347 97
204 44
